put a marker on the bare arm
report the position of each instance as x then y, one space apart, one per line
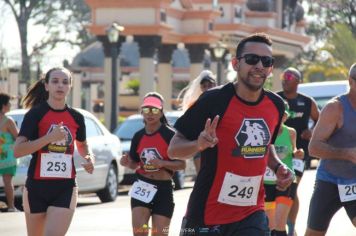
24 147
284 175
330 120
128 162
84 151
182 148
273 159
297 153
314 115
12 129
171 165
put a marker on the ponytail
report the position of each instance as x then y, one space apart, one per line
35 95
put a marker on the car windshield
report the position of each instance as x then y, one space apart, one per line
128 128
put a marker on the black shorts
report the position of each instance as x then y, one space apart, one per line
324 203
38 196
162 203
271 193
255 224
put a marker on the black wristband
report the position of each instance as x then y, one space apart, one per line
276 168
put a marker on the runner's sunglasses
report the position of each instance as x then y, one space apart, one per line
146 110
253 59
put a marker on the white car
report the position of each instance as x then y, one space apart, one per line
106 148
322 92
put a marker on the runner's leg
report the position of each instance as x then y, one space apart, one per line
140 218
58 220
160 224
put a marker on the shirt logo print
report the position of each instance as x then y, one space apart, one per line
252 138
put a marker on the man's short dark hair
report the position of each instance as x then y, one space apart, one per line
257 38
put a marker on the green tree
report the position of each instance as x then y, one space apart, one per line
63 19
134 85
332 25
341 44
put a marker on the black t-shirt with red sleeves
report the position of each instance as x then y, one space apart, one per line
145 147
38 122
245 131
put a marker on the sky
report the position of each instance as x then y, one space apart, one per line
10 42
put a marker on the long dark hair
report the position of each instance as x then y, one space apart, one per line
160 97
37 92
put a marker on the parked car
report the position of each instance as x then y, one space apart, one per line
126 131
324 91
106 148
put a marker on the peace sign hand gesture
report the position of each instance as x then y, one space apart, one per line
207 137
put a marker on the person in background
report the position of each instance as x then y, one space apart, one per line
8 134
278 203
334 142
234 127
302 109
152 193
205 81
49 131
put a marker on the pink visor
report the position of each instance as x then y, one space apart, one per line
152 102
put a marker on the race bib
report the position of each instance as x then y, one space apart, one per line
143 191
347 192
58 165
240 190
298 165
269 175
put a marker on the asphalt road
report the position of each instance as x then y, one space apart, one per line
93 218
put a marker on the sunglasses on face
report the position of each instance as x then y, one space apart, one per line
289 76
253 59
153 110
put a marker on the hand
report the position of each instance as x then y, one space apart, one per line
157 163
285 177
124 161
89 164
299 154
58 133
306 134
207 137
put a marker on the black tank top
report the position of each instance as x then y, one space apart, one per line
300 109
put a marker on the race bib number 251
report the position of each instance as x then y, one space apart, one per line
143 191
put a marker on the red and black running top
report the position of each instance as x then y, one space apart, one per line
145 147
39 121
245 131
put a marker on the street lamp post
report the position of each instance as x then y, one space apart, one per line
113 33
219 51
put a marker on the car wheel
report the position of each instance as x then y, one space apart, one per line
109 193
179 179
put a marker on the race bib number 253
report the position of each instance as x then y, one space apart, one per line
56 165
